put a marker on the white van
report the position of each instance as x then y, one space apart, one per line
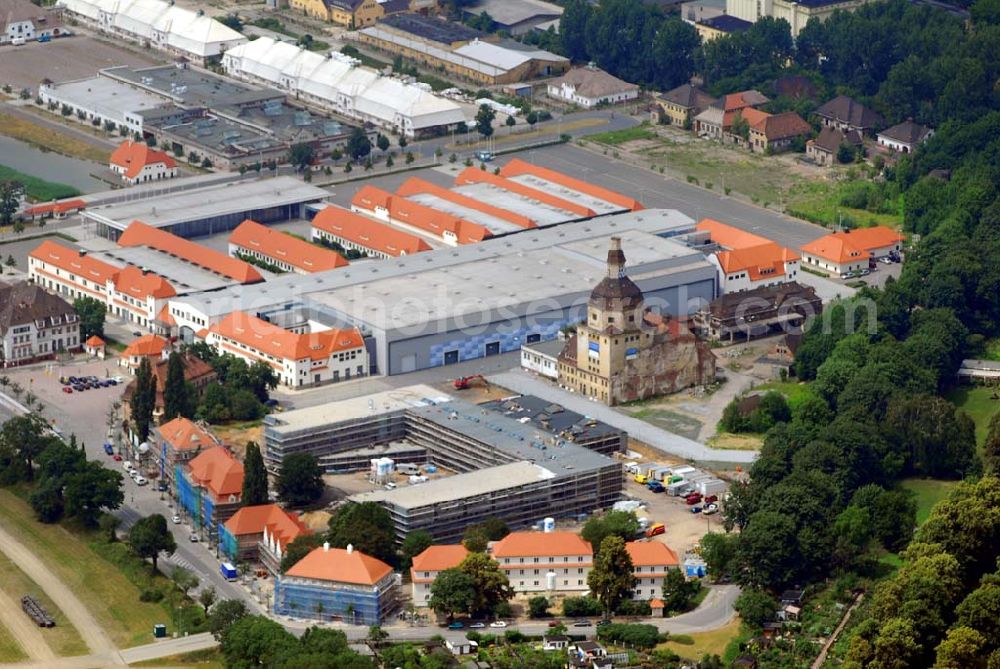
17 41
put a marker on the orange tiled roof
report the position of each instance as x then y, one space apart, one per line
415 185
133 156
298 253
283 344
727 236
94 340
750 115
285 526
365 232
518 166
761 261
340 565
139 285
651 554
419 216
538 544
475 175
841 247
147 345
781 126
165 317
60 207
743 99
184 435
439 558
140 234
219 471
72 261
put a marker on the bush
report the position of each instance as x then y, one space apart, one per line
692 180
575 607
682 639
637 635
634 607
151 595
538 607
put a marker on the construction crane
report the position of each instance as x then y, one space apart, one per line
466 381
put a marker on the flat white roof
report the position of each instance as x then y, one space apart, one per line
540 212
183 276
104 96
460 486
494 224
173 208
577 197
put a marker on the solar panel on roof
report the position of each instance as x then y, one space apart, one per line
302 119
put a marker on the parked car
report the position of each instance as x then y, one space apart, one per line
693 498
456 625
119 379
602 622
655 486
116 457
710 499
141 480
656 528
499 624
477 626
711 509
390 486
176 520
162 486
67 390
109 449
194 538
484 156
581 623
555 623
641 478
696 509
127 466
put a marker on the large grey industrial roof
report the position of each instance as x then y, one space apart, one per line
553 251
460 486
191 87
494 224
533 409
540 212
597 204
174 208
105 96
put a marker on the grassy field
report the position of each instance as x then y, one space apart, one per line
202 659
10 649
671 421
46 138
738 442
38 189
616 137
928 493
63 639
793 391
711 643
819 202
100 585
978 402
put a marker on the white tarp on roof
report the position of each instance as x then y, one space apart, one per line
350 89
162 23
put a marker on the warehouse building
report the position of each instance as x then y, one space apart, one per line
477 300
515 16
364 235
158 24
461 51
339 84
209 210
109 102
258 243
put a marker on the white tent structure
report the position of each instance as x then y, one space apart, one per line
339 84
161 24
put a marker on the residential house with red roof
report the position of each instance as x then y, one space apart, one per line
209 488
150 346
746 261
261 533
650 562
136 162
428 564
197 374
717 119
851 250
58 209
298 359
354 232
408 215
778 132
337 584
178 441
256 243
544 561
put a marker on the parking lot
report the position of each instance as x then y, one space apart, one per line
65 59
83 413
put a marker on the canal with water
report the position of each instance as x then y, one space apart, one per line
50 166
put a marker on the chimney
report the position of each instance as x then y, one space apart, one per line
81 252
326 546
350 549
144 270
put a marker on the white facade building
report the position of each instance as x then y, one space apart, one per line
34 324
431 562
544 561
589 87
298 359
342 86
651 561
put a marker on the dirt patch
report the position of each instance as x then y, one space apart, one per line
237 436
318 521
738 442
